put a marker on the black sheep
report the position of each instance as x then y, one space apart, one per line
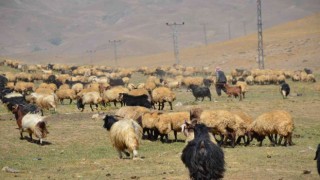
318 158
202 157
130 100
116 82
200 92
285 89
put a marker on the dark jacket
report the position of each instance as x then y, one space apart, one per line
221 78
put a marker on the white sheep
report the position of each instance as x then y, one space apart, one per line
125 135
45 101
34 124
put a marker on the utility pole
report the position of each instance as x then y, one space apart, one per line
260 38
175 39
205 33
115 43
229 30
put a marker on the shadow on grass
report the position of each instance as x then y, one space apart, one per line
44 143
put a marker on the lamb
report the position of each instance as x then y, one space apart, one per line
161 95
202 157
200 92
125 135
188 130
34 124
284 90
272 123
317 157
234 90
92 98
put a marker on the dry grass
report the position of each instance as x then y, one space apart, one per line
78 147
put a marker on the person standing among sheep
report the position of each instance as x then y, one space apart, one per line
221 80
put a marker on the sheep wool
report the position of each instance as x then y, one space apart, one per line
34 124
126 135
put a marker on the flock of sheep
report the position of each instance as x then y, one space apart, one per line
47 86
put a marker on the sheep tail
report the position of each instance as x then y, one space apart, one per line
41 130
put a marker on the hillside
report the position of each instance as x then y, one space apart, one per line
67 31
292 45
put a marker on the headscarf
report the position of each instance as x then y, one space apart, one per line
218 69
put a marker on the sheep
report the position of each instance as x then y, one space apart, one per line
130 100
131 112
247 119
222 122
34 124
92 98
24 87
77 87
203 158
168 122
284 90
200 92
188 130
45 101
44 91
187 81
244 87
161 95
317 157
112 94
125 135
311 78
234 90
148 122
66 94
274 122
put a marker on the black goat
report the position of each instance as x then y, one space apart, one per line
200 92
129 100
202 157
285 89
318 158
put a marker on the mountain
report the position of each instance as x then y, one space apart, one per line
79 31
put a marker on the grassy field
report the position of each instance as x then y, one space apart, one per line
79 147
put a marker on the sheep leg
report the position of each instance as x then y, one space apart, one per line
209 97
271 140
135 154
30 135
41 112
61 101
202 98
126 153
21 136
70 101
96 106
91 107
290 139
120 154
159 105
175 136
170 103
280 139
